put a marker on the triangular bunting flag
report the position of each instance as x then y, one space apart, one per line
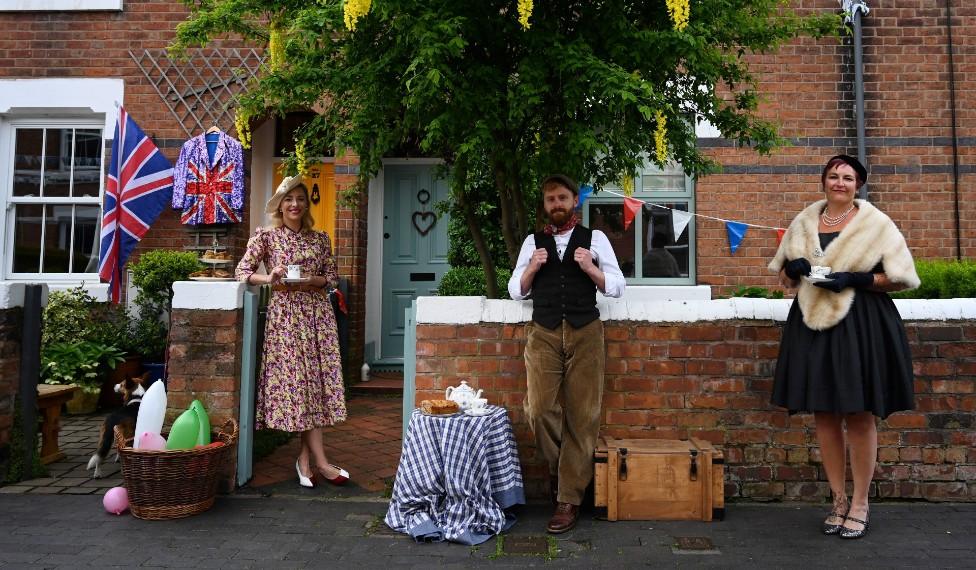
631 207
736 231
679 221
779 235
584 193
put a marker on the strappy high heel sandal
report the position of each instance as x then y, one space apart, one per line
836 513
851 533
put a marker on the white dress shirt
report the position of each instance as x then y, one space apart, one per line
603 256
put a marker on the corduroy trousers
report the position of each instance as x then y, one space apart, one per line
564 369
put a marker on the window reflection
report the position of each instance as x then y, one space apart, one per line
57 233
54 166
609 218
664 255
27 162
28 221
57 163
87 162
86 234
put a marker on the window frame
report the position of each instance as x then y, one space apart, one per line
656 197
8 130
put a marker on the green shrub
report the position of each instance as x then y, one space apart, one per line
470 281
69 316
78 362
943 279
154 275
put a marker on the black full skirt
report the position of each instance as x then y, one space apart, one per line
863 364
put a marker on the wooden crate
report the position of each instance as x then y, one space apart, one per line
659 479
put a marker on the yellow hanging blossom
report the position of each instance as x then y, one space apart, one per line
627 184
301 159
678 10
525 12
660 142
276 46
242 124
353 10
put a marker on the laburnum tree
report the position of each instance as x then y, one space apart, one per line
507 91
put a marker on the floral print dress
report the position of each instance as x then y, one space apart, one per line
300 383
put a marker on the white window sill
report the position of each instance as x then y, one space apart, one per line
59 5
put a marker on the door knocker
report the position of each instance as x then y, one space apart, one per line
315 194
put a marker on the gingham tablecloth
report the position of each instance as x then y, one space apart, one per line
457 475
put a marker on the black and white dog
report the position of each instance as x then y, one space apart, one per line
132 390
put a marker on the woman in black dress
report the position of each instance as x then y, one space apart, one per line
844 354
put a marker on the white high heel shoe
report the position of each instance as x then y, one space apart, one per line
303 480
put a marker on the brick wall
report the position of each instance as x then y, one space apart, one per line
10 331
713 380
205 364
807 88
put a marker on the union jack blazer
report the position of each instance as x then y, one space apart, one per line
209 193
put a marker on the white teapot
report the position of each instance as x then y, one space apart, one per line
464 395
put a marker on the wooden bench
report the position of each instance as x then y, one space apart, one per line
49 400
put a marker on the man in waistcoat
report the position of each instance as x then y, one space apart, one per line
561 268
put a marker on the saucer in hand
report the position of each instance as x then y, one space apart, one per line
295 279
812 278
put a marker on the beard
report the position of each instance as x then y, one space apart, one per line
559 217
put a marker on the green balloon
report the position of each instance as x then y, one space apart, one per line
185 430
204 437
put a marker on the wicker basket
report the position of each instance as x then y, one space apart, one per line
173 484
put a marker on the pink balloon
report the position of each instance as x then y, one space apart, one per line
116 500
152 441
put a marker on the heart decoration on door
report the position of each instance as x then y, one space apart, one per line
424 221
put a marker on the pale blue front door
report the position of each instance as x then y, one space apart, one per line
414 247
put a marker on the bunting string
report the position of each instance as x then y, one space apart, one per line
691 213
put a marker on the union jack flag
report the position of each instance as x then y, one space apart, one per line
209 190
139 187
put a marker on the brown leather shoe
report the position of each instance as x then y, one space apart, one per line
564 518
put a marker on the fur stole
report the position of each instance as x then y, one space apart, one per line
867 239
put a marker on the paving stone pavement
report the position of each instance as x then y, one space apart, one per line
250 531
78 440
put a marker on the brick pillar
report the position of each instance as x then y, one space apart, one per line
10 329
206 336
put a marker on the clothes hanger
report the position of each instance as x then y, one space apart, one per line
213 129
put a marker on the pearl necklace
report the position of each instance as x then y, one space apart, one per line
828 221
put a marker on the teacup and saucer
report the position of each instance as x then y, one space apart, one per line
478 407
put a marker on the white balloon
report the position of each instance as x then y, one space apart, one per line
152 410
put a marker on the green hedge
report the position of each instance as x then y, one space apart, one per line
470 281
943 280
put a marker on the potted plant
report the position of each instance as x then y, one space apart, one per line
114 328
74 348
154 274
82 363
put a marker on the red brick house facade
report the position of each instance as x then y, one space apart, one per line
65 68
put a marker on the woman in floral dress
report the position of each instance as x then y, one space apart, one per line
300 385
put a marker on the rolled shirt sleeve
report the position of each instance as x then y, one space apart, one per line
515 281
606 260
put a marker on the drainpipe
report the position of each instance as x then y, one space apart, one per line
852 10
955 139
